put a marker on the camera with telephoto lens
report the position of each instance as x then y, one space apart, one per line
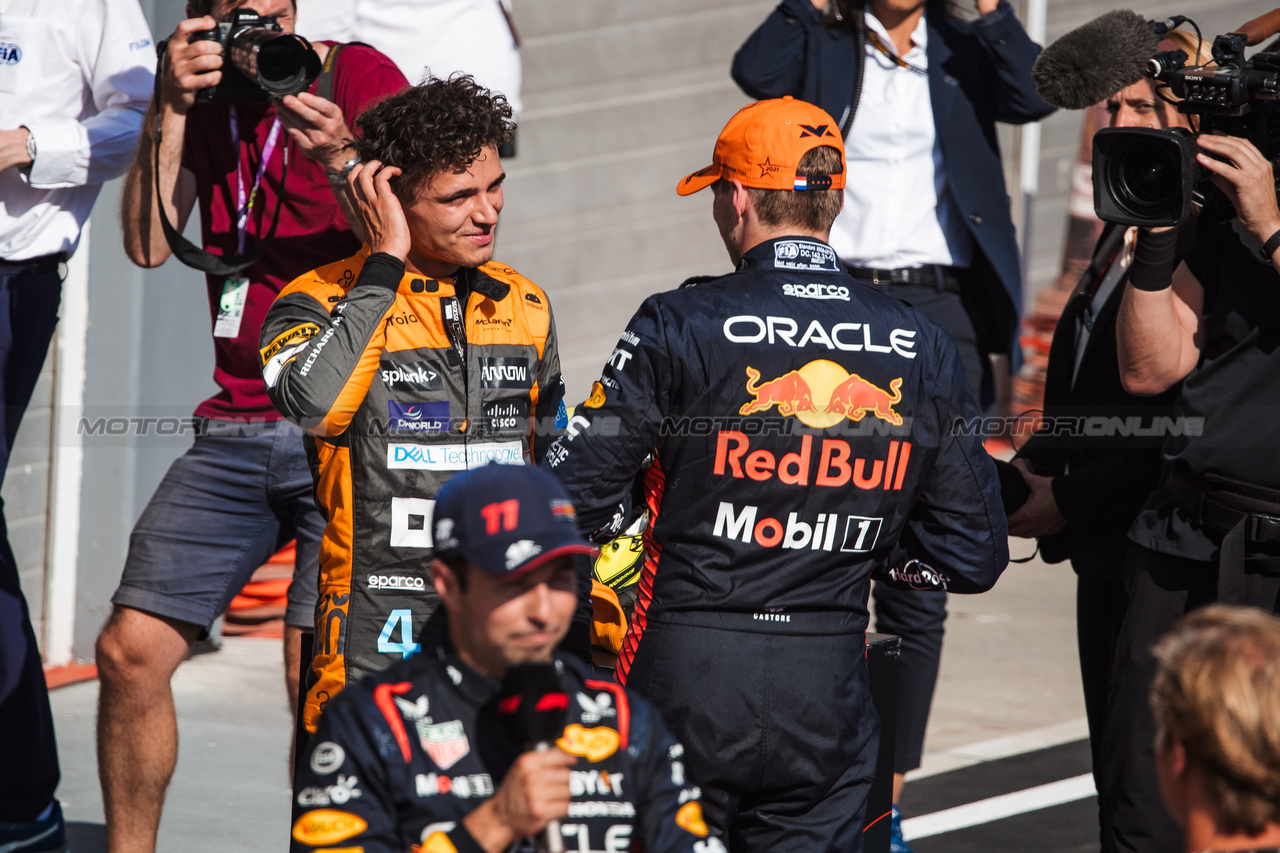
1150 177
259 60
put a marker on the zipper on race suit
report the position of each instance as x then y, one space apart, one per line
455 330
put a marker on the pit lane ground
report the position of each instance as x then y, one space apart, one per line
1006 736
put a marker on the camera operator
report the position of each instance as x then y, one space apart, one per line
244 488
1207 533
1069 470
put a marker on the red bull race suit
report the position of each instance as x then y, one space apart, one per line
804 430
403 756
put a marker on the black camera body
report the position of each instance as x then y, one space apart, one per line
1150 177
259 60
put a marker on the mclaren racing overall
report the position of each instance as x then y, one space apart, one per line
401 380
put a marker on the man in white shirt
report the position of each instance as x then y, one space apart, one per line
75 78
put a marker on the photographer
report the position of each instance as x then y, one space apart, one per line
244 488
1207 533
916 92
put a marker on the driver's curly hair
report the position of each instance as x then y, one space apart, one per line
435 126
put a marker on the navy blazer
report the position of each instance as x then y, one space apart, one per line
979 73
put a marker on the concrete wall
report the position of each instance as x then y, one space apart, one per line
149 354
622 99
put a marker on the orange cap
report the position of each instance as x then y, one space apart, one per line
763 143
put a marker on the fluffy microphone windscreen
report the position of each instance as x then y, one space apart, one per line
1094 61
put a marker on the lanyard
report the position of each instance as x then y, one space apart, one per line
893 56
1089 292
245 204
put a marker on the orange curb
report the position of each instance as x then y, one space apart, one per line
61 676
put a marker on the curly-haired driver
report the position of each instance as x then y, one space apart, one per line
417 358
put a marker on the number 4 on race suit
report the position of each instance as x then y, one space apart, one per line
405 647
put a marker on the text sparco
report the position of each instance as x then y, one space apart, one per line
816 291
396 582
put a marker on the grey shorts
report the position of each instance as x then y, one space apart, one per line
224 507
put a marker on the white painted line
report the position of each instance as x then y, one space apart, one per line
998 808
942 761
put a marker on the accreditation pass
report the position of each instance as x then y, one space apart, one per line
235 293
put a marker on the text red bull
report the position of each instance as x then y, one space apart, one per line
835 467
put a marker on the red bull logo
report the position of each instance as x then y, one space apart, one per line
821 394
789 392
855 397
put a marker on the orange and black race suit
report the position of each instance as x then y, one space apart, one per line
401 381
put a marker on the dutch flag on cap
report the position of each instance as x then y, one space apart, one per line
801 183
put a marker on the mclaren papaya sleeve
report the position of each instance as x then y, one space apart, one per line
318 355
608 437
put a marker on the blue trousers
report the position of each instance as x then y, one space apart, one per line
29 296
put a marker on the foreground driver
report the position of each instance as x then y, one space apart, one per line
419 755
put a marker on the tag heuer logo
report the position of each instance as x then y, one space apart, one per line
446 743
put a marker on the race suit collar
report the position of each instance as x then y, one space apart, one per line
474 686
461 283
792 253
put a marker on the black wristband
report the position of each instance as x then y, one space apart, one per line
463 841
1154 259
381 270
1269 248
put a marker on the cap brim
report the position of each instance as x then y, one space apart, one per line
492 557
698 180
562 551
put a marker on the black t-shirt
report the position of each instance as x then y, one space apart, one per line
1228 411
